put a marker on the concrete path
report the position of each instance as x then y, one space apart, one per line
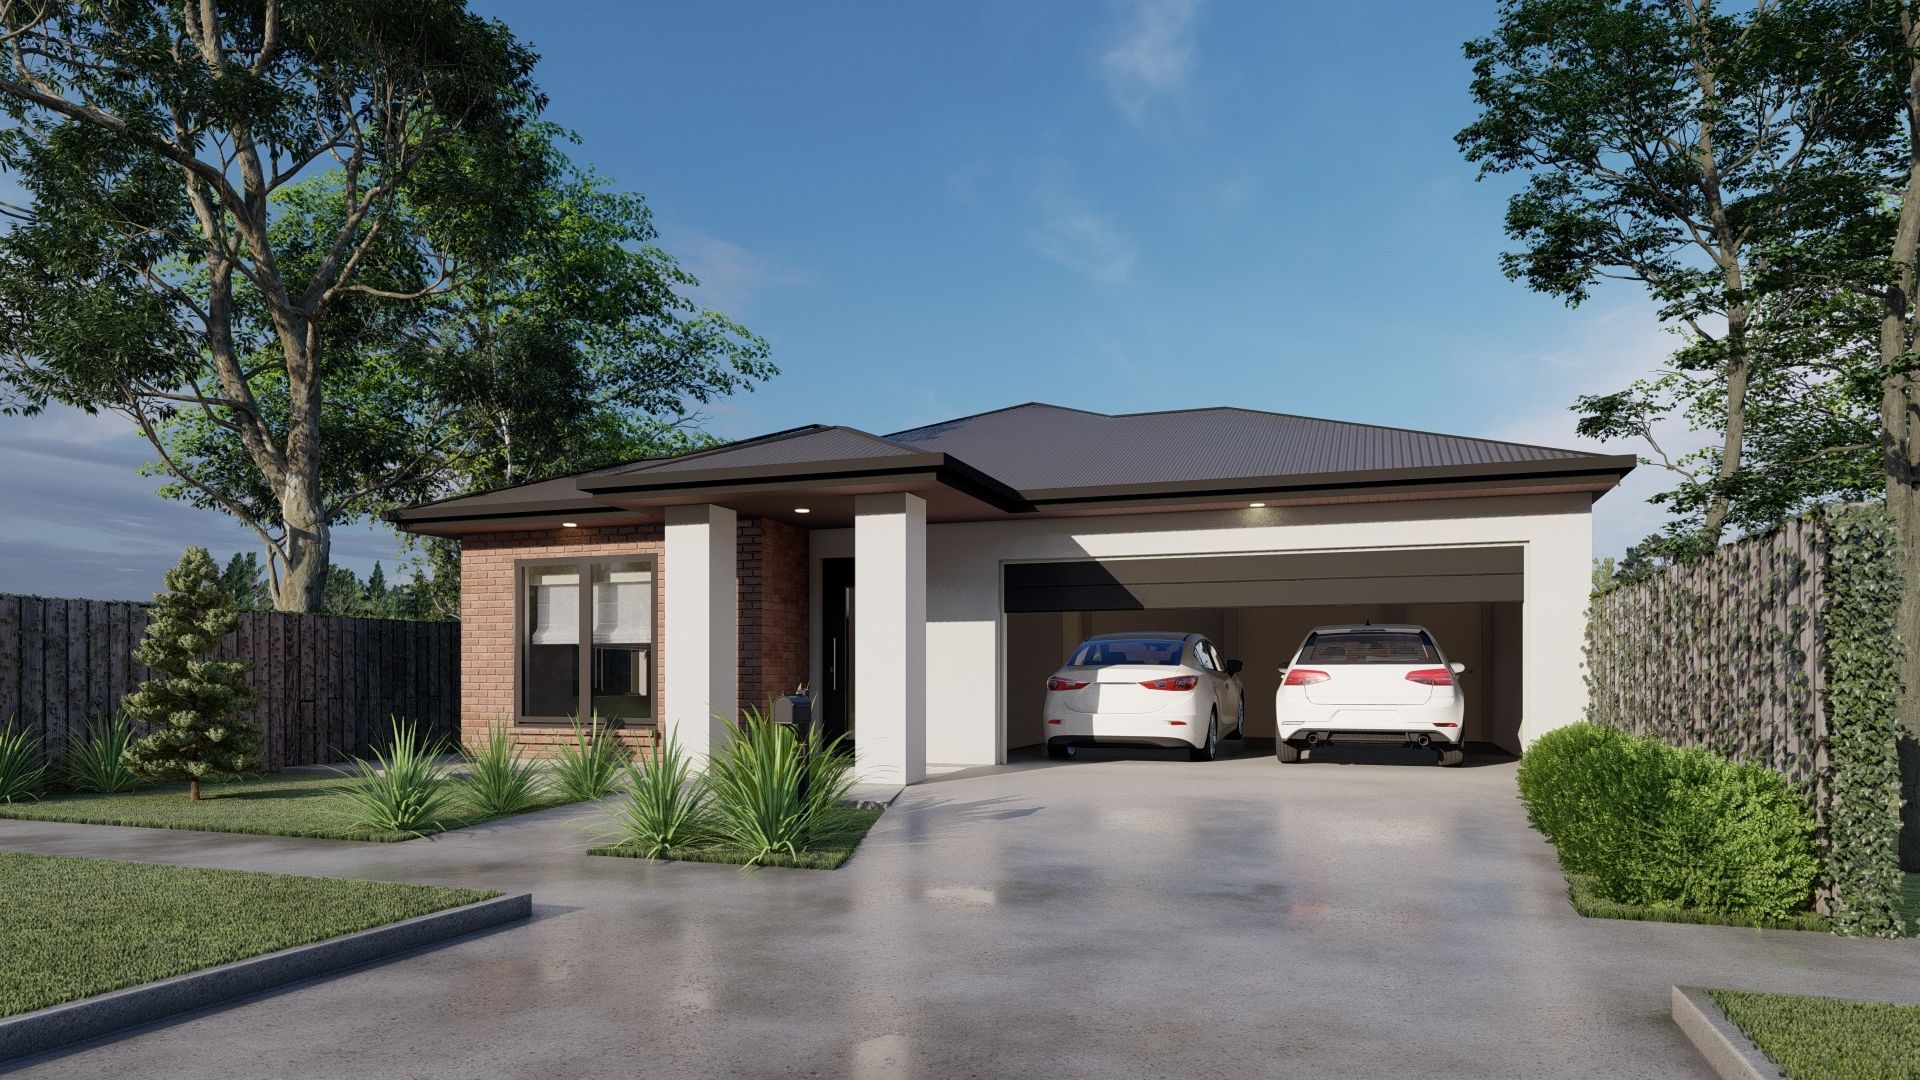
1125 915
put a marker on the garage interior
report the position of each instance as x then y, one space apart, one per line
1259 608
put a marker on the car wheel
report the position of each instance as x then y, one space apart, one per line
1453 756
1059 752
1286 751
1210 749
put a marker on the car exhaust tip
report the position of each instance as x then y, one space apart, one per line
1425 740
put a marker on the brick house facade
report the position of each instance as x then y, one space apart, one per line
771 608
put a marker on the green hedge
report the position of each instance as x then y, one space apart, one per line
1663 827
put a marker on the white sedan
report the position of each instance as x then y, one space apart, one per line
1373 684
1144 689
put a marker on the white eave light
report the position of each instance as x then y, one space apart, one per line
1255 506
569 524
802 510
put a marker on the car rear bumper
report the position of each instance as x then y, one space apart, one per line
1302 722
1169 727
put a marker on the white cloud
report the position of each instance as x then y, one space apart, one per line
1150 62
1087 244
731 277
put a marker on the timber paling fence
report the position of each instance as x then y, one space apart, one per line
1778 650
326 686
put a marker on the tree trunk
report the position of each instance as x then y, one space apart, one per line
1897 394
309 544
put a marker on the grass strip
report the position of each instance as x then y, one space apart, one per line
833 850
71 928
1819 1038
273 804
1587 901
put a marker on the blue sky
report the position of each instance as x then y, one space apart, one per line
932 210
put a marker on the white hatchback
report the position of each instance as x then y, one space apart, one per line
1350 684
1144 689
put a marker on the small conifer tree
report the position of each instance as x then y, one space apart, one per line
191 706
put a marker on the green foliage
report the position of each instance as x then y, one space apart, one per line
405 789
1723 158
589 767
191 706
844 828
665 810
1586 899
771 793
373 598
96 758
23 768
126 923
1818 1038
245 583
498 780
1664 827
1863 693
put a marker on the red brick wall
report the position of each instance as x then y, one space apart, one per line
487 586
772 612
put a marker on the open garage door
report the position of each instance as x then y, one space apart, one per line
1259 607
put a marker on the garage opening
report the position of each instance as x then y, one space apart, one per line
1258 608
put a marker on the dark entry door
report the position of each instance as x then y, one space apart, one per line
836 648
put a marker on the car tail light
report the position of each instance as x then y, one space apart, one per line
1176 682
1432 676
1058 683
1055 720
1305 677
1445 723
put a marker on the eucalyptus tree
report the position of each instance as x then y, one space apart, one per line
1687 147
325 256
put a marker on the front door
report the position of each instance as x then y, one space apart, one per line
836 648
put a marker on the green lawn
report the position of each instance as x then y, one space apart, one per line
829 854
275 804
72 928
1816 1038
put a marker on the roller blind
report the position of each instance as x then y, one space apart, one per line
623 607
556 608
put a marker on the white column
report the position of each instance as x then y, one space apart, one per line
890 637
702 642
1553 625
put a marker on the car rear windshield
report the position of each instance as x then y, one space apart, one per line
1104 651
1370 647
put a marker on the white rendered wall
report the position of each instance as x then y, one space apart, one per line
702 662
890 637
964 636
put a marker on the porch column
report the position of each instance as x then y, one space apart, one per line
890 637
701 639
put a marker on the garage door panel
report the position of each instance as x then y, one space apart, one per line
1431 575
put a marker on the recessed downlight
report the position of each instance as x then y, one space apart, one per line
569 524
802 510
1255 506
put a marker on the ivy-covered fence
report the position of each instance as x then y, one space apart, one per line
1779 651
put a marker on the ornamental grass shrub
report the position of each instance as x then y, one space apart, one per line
498 781
96 758
590 766
1663 827
23 768
404 789
666 808
771 792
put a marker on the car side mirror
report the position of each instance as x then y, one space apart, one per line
1234 667
1458 668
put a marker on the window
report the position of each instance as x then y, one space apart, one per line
1203 652
1101 652
592 616
1370 647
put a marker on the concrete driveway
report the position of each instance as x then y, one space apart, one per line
1126 915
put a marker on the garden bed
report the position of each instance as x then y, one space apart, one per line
1587 901
275 804
832 851
1817 1038
75 928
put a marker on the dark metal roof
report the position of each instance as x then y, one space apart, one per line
1036 447
1038 456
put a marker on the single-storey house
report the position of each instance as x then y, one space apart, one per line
923 584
